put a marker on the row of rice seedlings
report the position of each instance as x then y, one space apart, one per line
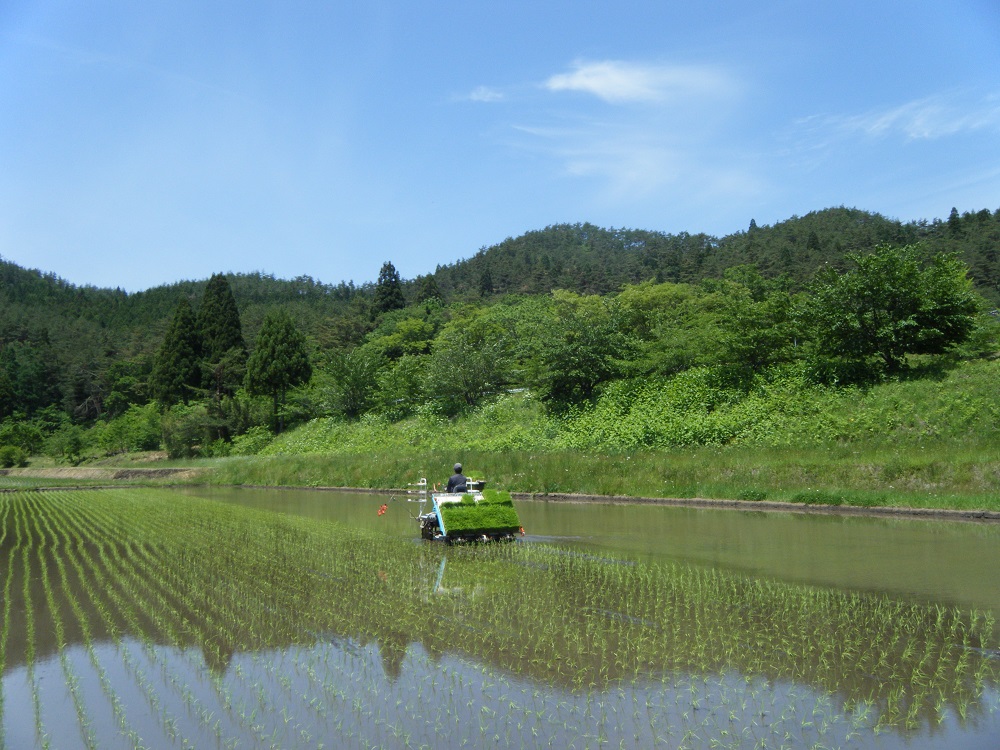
285 681
566 632
16 587
830 659
8 521
135 592
696 632
111 577
71 679
819 629
207 631
219 607
78 542
130 661
141 588
29 521
217 598
295 677
5 587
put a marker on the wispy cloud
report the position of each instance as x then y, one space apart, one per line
646 153
83 57
634 162
627 163
485 94
618 82
928 118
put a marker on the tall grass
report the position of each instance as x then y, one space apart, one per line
942 477
929 442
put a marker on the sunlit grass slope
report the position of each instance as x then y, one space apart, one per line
930 442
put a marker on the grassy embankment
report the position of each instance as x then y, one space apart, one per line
931 443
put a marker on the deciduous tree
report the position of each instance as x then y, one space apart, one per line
354 375
585 350
890 305
469 361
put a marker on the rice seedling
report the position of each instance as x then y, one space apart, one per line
212 625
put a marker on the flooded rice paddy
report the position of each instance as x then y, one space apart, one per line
150 618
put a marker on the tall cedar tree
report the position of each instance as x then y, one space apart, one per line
279 361
224 351
427 289
388 290
177 367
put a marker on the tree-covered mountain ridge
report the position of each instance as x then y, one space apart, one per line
577 257
571 313
588 259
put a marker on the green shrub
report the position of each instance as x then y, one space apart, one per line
67 444
185 428
30 437
13 455
751 494
251 442
138 429
218 448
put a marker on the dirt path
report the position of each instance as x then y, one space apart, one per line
106 473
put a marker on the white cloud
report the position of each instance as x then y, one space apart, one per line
622 156
485 94
928 118
618 82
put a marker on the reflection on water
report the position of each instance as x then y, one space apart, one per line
172 621
935 561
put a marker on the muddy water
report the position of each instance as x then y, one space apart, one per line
944 562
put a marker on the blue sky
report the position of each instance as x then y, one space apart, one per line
143 143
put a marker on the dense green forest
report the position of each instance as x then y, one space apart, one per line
581 319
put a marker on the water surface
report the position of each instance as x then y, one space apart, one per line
946 562
242 618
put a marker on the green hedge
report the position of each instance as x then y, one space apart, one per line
493 514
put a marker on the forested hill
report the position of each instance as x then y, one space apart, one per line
34 305
65 346
578 257
589 259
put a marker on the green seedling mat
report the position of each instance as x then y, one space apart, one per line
493 514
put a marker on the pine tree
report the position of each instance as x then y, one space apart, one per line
224 351
177 368
388 290
954 223
279 361
486 283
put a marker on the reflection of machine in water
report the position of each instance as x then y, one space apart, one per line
478 515
453 591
